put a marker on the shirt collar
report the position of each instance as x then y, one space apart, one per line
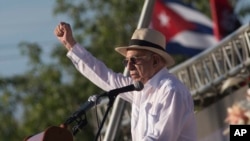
156 79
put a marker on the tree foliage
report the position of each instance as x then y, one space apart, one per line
48 93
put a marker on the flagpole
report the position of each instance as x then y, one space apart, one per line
146 14
120 105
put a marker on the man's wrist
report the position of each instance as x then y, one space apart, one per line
70 45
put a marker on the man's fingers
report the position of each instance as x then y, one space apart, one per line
59 31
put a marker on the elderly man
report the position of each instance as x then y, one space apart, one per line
163 110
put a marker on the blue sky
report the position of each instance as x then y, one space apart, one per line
25 20
30 21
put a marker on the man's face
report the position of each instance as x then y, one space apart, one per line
140 64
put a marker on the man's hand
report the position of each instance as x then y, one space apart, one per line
64 34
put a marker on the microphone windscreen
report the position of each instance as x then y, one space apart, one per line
138 85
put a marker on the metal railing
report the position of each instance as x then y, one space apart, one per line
212 67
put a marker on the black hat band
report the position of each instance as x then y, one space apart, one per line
144 43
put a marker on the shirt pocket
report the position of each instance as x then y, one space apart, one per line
152 119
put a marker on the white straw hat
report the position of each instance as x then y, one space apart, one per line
148 39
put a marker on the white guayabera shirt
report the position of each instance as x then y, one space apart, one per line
162 111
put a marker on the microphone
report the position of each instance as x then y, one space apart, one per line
137 86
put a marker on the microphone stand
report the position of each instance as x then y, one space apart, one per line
110 104
80 116
81 120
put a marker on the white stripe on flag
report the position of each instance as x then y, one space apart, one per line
191 15
195 40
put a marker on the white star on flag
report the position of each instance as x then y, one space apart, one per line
164 19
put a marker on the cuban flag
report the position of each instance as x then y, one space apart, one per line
187 31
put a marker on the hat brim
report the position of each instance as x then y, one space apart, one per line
168 59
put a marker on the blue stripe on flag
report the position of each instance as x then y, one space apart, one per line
203 29
177 48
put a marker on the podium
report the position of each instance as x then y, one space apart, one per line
53 133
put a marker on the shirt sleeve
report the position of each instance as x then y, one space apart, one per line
95 70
